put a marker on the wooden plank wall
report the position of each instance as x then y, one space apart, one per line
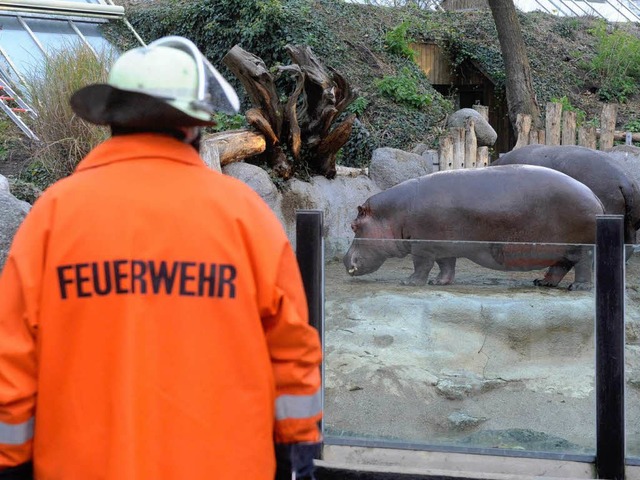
435 65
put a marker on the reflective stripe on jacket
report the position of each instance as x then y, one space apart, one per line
153 322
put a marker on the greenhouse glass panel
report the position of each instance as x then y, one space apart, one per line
93 36
53 35
19 47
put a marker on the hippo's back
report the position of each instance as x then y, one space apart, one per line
591 167
511 203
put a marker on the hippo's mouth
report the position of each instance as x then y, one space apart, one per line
358 271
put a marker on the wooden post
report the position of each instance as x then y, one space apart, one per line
457 134
533 137
553 123
470 143
607 125
587 137
542 137
482 110
445 153
568 128
628 138
523 126
483 157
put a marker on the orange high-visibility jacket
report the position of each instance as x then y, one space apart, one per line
153 325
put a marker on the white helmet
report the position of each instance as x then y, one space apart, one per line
167 83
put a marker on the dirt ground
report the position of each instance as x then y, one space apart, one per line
376 393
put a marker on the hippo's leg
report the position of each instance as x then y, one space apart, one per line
554 274
583 270
422 265
447 271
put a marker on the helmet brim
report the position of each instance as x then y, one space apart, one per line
103 104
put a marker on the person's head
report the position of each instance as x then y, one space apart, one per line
167 86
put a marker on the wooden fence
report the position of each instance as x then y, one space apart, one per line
560 129
459 149
459 146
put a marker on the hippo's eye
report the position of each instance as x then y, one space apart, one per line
354 227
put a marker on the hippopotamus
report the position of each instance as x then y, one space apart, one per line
618 193
498 215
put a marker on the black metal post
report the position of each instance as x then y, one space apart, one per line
610 425
310 255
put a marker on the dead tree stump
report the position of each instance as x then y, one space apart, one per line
304 125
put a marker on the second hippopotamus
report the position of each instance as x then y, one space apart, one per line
619 194
492 216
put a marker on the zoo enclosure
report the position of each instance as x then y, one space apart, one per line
609 459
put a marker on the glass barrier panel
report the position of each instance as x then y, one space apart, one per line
489 361
632 354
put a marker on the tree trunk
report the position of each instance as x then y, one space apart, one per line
520 95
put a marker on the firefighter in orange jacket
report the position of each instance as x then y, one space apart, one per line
153 323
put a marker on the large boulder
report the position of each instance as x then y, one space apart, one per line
485 133
258 179
390 166
12 212
337 199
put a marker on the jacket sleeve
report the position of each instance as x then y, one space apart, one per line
17 371
296 355
19 287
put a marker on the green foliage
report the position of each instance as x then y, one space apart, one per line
397 42
616 64
632 126
358 150
225 122
262 27
65 138
9 136
37 174
23 190
567 27
568 107
403 89
358 106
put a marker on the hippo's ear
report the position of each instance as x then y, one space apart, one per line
363 210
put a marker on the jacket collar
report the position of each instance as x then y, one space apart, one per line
139 146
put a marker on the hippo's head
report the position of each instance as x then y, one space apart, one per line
372 245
